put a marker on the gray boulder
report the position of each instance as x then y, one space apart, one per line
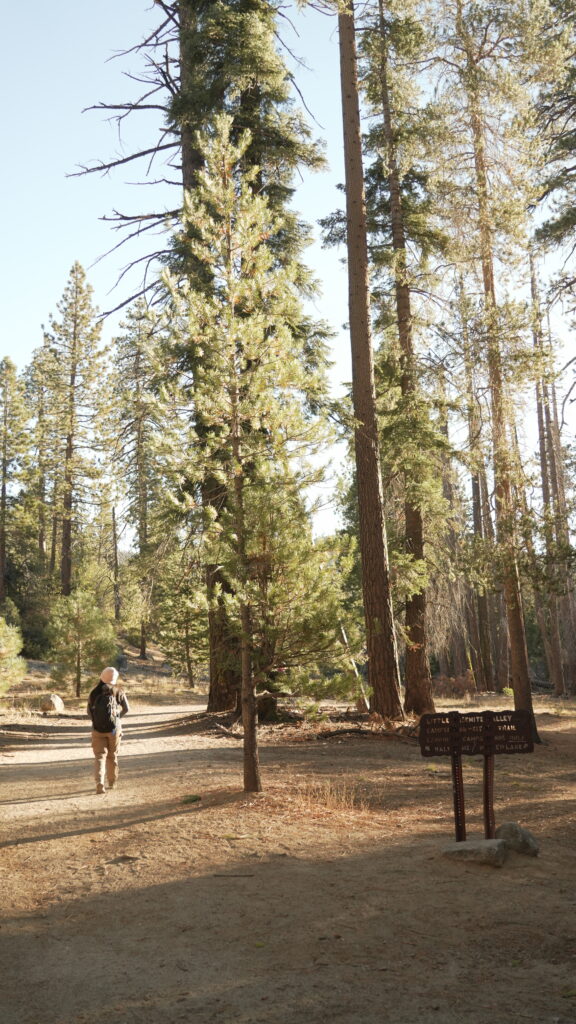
518 839
52 702
479 851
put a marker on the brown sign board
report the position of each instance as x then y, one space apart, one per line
477 732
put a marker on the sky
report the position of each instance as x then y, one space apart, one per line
51 219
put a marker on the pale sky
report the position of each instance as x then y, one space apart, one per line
56 62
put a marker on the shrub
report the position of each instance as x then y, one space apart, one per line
12 667
83 639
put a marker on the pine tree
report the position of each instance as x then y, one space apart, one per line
556 109
13 445
221 56
480 44
136 423
249 390
77 364
83 639
12 667
400 225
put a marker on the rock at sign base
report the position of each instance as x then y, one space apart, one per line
52 703
479 851
518 839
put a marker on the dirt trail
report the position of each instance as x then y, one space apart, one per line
143 907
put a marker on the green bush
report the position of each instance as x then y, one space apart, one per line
12 667
83 638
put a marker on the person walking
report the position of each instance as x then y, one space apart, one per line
107 704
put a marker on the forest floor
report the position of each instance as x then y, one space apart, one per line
324 899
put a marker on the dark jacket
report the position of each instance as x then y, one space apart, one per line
121 701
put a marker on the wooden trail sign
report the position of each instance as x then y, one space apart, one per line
479 732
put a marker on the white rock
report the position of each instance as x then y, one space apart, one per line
480 851
52 702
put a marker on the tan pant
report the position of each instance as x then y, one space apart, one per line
106 746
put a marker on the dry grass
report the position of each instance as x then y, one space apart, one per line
329 795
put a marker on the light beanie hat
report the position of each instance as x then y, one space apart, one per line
109 676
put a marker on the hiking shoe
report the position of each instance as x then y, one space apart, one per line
100 788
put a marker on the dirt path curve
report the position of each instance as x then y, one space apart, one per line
144 907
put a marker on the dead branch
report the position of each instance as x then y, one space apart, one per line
105 168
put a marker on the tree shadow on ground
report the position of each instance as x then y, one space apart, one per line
389 932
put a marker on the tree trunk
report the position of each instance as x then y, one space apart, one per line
383 671
143 640
484 667
562 534
78 673
115 568
224 647
42 551
252 780
418 696
66 549
546 603
54 542
68 496
505 527
188 657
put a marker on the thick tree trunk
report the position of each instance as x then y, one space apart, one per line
252 780
383 672
224 649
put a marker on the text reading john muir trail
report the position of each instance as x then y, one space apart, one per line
480 732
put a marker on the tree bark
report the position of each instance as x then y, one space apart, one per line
383 671
562 533
68 495
252 780
505 529
418 695
67 503
115 568
188 657
484 667
546 603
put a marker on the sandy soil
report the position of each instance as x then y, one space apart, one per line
327 898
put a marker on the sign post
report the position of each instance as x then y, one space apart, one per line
480 732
